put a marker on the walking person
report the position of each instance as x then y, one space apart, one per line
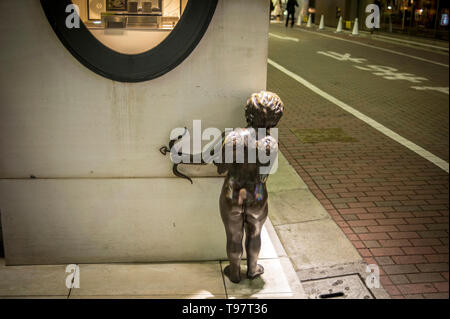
277 11
291 4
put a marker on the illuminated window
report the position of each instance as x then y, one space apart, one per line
130 26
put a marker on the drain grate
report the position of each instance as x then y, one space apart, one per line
343 287
322 135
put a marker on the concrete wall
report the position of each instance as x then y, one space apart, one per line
75 131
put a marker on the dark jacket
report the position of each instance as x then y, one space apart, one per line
291 5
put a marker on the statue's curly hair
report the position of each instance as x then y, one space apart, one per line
264 110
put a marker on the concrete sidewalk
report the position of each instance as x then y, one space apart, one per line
184 280
316 252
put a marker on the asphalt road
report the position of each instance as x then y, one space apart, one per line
392 88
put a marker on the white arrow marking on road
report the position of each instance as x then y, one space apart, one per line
379 127
284 38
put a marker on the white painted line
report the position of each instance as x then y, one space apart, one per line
379 37
431 88
379 127
283 38
375 47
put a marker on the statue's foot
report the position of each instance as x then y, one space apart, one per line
235 275
256 273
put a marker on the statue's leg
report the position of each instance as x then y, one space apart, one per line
254 221
233 219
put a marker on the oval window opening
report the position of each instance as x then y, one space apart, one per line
130 40
130 26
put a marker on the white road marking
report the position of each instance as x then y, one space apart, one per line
431 88
341 57
375 47
394 40
389 73
284 38
379 127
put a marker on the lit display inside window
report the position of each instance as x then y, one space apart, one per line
130 26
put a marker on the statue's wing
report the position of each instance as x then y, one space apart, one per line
267 155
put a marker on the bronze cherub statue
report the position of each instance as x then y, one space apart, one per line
248 160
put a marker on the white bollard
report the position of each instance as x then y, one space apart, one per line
339 26
308 24
355 27
322 23
299 20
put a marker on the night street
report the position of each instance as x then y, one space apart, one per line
391 201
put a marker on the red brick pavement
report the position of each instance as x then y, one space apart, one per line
391 203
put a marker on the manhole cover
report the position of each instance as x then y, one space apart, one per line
322 135
344 287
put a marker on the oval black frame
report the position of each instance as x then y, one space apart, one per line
139 67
